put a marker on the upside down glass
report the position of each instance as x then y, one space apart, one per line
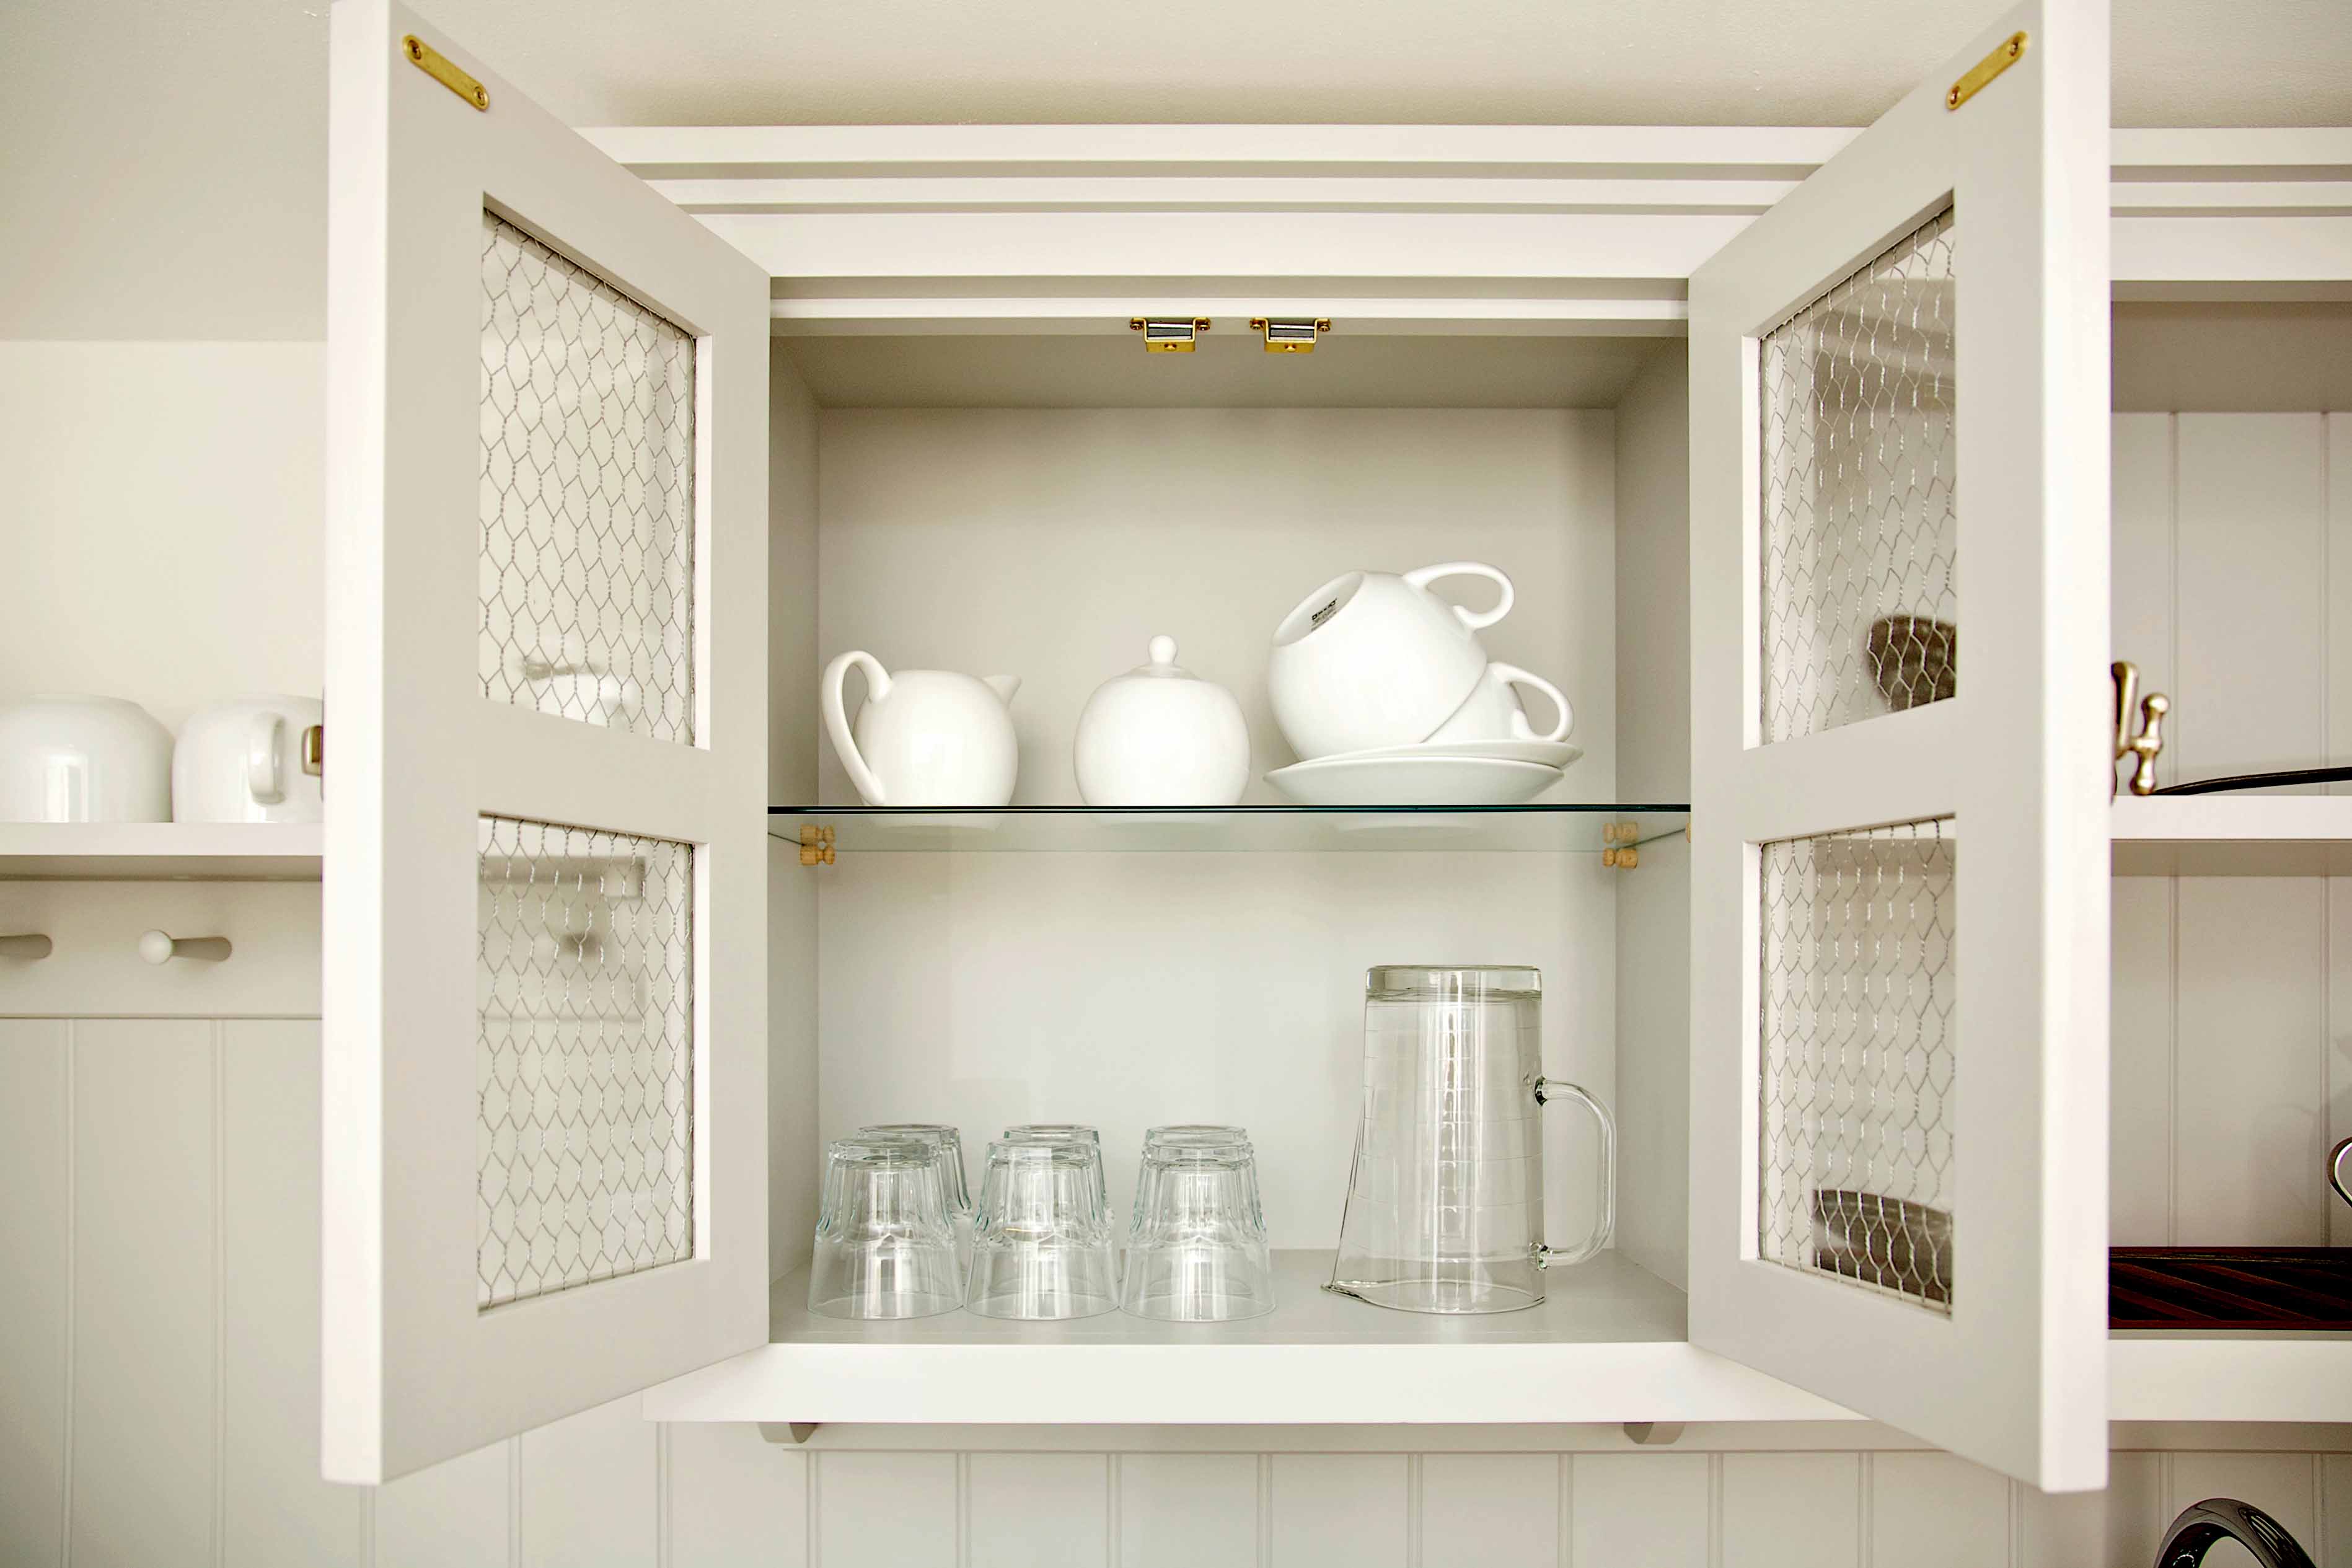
1041 1248
1444 1207
1196 1252
885 1242
947 1146
1071 1133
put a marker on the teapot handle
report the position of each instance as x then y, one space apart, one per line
1547 1090
836 722
1475 620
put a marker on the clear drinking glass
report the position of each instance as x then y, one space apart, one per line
1071 1133
948 1143
1446 1199
885 1242
1041 1247
1196 1252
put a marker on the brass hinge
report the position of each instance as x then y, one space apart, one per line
2010 51
1169 334
1621 845
1293 337
441 69
817 845
2146 745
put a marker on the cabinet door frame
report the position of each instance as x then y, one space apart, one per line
413 1370
2015 1377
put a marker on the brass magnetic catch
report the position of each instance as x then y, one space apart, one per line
817 845
2011 50
1293 337
439 67
314 750
2145 746
1169 334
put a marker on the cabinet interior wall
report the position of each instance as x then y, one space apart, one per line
2231 1072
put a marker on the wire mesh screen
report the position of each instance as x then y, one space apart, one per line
587 496
1856 1087
585 1068
1860 517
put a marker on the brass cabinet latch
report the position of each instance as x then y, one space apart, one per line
1169 334
817 845
1293 337
2146 745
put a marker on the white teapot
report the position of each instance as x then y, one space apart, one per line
925 737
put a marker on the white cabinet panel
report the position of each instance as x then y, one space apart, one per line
2334 1548
2141 564
1933 1511
1651 1509
36 1289
1792 1511
275 1508
457 1514
1038 1511
735 1499
2141 1064
1179 1510
1330 1508
587 1497
898 1509
146 1187
1477 1510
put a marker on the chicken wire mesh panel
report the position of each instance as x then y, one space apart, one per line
1858 1043
1860 514
585 1141
586 496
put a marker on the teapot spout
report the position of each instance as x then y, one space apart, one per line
1005 686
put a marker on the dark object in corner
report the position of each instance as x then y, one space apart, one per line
1914 659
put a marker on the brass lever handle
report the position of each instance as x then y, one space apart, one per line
2149 743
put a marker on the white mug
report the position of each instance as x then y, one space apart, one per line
242 761
1373 659
1493 710
83 759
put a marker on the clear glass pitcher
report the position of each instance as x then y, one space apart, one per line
1445 1198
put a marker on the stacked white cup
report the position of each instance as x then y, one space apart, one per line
1388 695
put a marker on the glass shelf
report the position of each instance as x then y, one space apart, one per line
1579 829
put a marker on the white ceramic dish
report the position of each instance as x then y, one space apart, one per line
1414 780
1549 753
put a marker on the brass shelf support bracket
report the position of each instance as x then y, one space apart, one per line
816 844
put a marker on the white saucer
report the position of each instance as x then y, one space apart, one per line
1550 753
1414 780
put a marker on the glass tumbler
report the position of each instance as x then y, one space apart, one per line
885 1242
1070 1132
949 1144
1196 1252
1041 1249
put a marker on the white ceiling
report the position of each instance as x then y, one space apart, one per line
165 169
1724 62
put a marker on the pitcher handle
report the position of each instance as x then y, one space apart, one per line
836 720
1422 577
2335 1163
1547 1090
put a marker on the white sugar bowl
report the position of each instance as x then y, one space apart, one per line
1160 735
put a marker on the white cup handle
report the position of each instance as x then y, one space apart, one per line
1472 619
264 779
1511 674
836 720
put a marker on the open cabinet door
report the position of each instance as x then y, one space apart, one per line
545 916
1900 742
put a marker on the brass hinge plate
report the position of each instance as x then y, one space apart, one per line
2010 51
1169 334
1292 337
439 66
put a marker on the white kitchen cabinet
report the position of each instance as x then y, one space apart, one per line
972 464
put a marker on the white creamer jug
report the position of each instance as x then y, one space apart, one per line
925 737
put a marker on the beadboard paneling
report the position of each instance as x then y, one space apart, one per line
1348 1508
1179 1510
1036 1511
1478 1509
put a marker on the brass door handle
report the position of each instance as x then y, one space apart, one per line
2149 743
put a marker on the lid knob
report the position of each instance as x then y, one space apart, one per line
1163 650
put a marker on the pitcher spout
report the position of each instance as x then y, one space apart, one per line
1005 686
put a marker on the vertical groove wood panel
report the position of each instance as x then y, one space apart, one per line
2141 1063
898 1509
734 1498
1331 1508
2335 1547
36 1297
1177 1510
587 1492
1934 1510
2284 1486
1651 1508
275 1508
144 1351
454 1515
2141 560
1477 1510
1792 1510
1034 1510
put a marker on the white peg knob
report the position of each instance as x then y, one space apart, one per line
30 944
161 947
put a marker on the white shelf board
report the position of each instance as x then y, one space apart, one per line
2265 1377
1608 1345
2233 834
160 851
